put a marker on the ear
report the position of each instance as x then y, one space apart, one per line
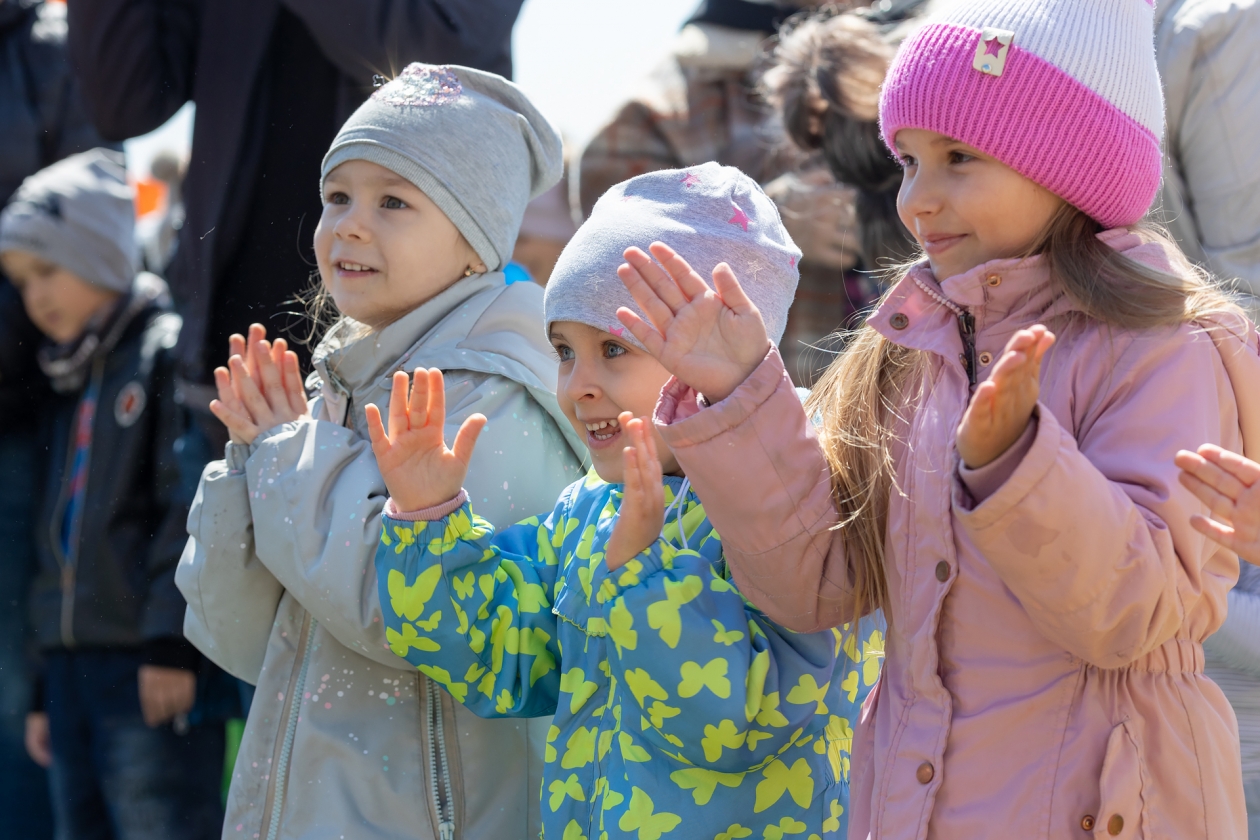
478 267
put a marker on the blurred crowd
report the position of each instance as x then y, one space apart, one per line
100 694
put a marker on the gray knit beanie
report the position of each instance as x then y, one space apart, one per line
79 214
708 214
469 140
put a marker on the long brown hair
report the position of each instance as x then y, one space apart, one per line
866 396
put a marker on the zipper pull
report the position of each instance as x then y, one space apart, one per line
446 831
967 329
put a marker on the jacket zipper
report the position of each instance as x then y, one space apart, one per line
69 564
967 329
435 728
287 729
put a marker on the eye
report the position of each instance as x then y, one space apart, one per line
392 203
563 352
338 198
958 156
612 350
906 161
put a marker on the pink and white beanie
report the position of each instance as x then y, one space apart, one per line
1065 92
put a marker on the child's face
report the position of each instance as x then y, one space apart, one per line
964 207
601 376
382 246
59 302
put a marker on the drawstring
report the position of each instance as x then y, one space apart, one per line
678 504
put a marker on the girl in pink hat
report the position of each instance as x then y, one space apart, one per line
992 458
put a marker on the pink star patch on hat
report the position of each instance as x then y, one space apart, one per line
740 218
689 180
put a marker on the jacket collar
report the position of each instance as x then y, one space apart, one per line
1002 295
351 356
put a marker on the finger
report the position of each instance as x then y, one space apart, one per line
240 425
1220 506
398 408
658 311
293 384
466 437
272 382
729 290
376 430
223 384
652 340
657 277
437 398
256 339
689 282
255 403
418 406
1212 475
632 494
1222 534
236 345
1244 469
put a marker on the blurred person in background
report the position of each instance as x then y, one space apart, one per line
1209 63
701 103
130 755
547 227
1210 68
272 80
42 120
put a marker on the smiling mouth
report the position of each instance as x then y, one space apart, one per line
603 430
353 267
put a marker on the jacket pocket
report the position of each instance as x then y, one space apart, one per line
1122 804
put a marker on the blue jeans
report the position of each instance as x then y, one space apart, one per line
24 807
113 777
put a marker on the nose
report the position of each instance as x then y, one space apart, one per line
919 195
351 223
582 383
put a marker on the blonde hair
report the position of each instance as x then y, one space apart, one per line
867 395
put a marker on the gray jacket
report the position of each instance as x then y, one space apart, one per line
1209 59
344 738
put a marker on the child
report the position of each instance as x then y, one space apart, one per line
1047 595
119 680
424 189
679 709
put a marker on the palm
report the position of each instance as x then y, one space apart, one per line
418 468
710 338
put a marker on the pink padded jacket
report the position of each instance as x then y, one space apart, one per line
1044 668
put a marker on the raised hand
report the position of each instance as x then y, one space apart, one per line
1229 485
642 512
710 338
261 387
419 470
1001 407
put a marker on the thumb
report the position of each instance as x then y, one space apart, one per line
466 438
376 429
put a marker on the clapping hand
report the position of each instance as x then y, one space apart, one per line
1229 485
642 512
710 338
419 471
260 388
1002 406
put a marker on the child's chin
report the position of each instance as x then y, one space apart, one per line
610 473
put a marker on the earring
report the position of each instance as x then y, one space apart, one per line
468 272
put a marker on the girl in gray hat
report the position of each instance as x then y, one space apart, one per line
424 189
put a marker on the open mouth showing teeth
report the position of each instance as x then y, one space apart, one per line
603 430
349 266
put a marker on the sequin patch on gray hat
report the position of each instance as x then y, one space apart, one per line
419 86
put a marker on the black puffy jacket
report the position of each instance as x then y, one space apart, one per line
117 586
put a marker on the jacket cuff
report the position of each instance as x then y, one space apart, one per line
172 652
1035 464
429 514
235 455
683 420
983 482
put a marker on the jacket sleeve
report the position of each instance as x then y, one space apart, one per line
780 543
490 635
232 598
1211 72
717 684
135 60
1091 532
317 496
383 36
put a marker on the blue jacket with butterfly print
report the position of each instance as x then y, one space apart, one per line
680 710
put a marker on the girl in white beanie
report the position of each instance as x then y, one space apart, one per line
423 190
